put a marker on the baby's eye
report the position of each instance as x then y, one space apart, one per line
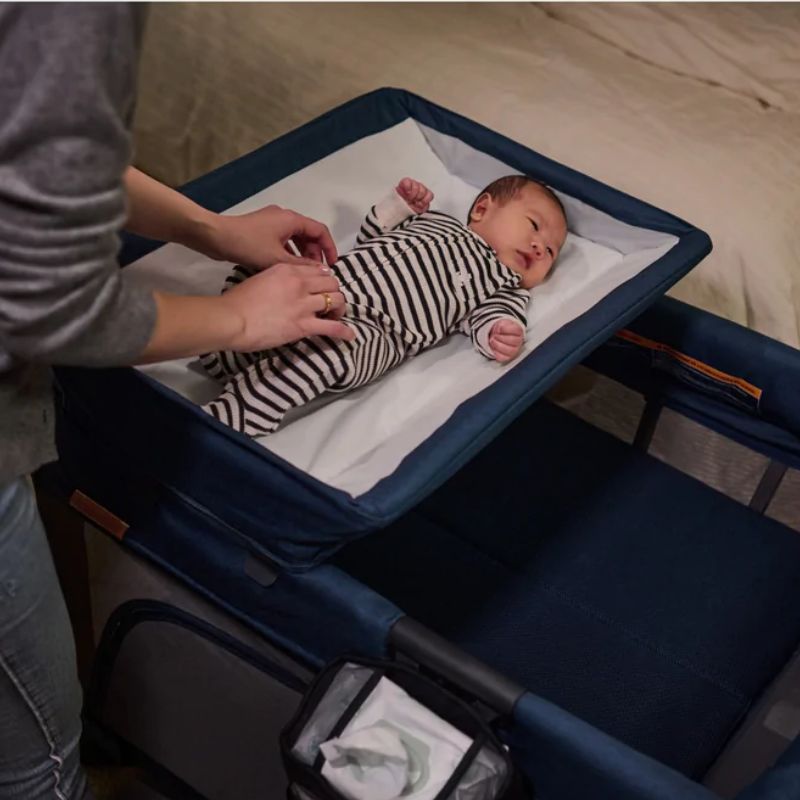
550 250
535 226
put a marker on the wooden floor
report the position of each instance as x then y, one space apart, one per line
117 783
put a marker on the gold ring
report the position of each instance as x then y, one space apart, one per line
328 303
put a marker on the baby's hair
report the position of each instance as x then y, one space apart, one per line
504 189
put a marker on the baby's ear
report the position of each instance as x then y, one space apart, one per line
479 207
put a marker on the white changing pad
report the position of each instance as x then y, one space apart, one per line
352 441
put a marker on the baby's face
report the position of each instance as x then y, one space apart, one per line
527 231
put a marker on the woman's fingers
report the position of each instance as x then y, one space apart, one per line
321 326
338 312
308 233
303 268
322 283
325 303
311 250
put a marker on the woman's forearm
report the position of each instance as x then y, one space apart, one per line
275 306
256 239
271 308
188 325
159 212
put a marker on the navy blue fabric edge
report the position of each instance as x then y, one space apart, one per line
565 757
770 425
388 106
282 157
425 468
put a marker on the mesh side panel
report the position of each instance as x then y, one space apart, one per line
340 694
209 717
484 778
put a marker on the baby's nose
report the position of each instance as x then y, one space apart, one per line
537 249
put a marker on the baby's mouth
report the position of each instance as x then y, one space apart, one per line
526 259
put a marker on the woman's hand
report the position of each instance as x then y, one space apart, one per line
286 303
260 239
271 308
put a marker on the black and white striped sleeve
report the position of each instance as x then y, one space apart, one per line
238 274
505 304
383 216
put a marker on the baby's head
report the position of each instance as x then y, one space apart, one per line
524 222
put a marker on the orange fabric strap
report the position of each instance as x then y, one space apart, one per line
706 369
98 514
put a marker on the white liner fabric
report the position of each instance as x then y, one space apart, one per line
352 441
393 747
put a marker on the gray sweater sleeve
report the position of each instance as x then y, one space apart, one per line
67 81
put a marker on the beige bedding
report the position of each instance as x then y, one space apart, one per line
693 108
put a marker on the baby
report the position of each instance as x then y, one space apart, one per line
414 277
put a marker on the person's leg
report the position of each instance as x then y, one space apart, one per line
378 352
256 400
40 697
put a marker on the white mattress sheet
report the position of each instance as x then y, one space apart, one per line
352 441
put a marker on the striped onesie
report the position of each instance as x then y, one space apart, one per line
411 280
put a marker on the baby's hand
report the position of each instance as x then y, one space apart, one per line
417 195
505 339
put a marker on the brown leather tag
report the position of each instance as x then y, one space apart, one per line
99 515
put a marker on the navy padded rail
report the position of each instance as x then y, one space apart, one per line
286 515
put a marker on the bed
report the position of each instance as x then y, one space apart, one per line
694 108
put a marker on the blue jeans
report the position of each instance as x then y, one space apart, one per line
40 697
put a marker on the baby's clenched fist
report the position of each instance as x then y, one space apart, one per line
505 339
417 195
